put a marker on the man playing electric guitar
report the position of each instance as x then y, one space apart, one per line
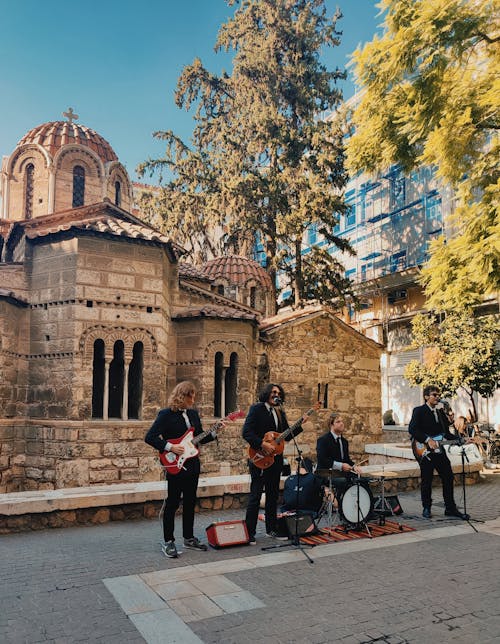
426 425
172 423
263 417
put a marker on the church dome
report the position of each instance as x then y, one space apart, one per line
54 135
237 270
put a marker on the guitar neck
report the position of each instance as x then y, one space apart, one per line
206 433
232 416
295 426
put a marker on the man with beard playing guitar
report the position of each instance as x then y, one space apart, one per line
266 460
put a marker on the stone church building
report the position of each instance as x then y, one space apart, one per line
100 317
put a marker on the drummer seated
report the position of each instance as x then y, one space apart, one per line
332 451
303 493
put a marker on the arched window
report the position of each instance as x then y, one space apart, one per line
29 175
118 193
78 186
253 296
218 373
98 380
116 381
135 371
220 289
231 380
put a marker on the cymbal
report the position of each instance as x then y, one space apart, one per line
383 474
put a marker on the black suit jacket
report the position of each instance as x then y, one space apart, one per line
423 424
259 421
328 450
171 424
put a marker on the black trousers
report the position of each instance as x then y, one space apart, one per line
182 485
441 463
267 481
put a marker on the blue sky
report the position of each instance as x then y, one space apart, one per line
116 62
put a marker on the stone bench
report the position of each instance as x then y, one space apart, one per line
35 510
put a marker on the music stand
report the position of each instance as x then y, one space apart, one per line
295 540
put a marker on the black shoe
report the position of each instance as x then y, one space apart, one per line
455 512
426 513
169 549
195 544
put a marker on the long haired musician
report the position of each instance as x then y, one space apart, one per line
265 416
170 425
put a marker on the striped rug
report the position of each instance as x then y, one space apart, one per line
340 533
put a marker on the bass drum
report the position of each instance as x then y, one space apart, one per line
356 503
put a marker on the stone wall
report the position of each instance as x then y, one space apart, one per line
319 353
198 341
52 454
14 340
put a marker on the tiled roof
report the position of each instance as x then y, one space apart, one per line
190 272
52 136
103 218
237 270
289 315
216 312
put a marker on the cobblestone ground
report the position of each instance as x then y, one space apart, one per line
434 589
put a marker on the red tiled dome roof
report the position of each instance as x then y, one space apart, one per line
237 270
52 136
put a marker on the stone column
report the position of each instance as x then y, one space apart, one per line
52 190
223 392
105 401
125 393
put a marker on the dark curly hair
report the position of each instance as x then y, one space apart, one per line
265 392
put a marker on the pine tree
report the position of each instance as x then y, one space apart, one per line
263 166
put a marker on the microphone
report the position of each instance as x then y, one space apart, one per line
277 400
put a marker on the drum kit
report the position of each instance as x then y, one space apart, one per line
351 501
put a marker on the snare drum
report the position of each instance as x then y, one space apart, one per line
356 502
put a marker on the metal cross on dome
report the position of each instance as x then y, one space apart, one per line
70 115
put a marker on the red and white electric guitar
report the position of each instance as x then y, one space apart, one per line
174 463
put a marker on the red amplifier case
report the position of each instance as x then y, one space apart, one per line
227 533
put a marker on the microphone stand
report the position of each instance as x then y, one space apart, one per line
467 518
295 540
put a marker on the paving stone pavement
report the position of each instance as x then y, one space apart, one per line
111 583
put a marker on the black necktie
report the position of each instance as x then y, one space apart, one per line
339 443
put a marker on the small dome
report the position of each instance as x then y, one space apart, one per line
54 135
237 270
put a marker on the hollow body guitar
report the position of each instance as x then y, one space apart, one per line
263 461
174 463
